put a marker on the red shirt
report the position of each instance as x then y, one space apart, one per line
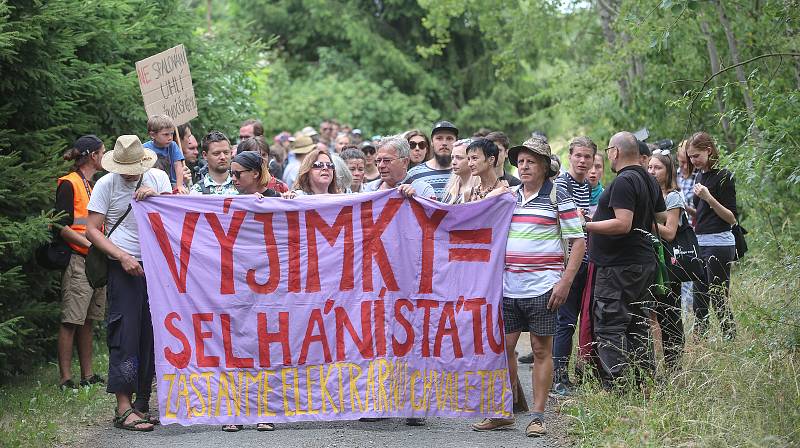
277 185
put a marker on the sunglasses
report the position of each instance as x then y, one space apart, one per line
422 145
238 174
321 165
368 150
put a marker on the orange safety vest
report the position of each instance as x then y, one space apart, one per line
80 200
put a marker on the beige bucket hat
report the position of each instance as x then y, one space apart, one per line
303 145
129 157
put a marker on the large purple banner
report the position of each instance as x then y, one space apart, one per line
328 307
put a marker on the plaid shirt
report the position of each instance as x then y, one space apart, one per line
226 188
686 186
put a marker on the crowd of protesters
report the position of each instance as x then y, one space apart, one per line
577 258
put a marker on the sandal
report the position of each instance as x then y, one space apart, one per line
265 427
232 428
67 384
119 422
146 415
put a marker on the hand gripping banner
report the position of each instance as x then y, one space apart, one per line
329 307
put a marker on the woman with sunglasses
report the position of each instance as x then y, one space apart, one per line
251 175
421 150
668 307
317 175
371 172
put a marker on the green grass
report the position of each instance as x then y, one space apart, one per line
34 412
740 393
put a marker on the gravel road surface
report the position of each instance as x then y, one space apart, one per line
438 432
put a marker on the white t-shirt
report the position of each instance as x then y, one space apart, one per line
111 196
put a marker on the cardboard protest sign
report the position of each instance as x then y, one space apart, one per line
166 85
326 307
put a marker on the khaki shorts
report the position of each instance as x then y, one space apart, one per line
78 300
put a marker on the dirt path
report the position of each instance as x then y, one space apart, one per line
439 432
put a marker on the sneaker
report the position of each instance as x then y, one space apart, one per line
490 424
536 428
526 359
415 421
94 379
561 390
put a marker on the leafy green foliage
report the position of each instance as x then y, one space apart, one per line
68 70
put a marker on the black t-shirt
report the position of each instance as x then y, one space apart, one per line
722 187
636 190
65 202
270 193
512 181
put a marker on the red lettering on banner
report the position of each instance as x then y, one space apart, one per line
380 328
428 226
373 245
426 323
315 320
265 338
273 261
189 224
199 335
364 343
231 360
226 241
293 223
496 346
467 254
314 223
476 236
181 359
474 306
448 316
401 349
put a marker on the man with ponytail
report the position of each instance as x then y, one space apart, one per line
81 305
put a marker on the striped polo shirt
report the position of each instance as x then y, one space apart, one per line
534 255
435 178
581 194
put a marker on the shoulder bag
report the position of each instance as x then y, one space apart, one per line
683 254
741 243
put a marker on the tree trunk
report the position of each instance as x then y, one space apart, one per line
208 15
608 9
740 76
713 56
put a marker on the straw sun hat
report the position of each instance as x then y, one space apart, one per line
129 157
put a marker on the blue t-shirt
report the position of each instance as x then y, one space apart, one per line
173 154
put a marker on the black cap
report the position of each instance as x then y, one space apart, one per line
644 150
444 126
88 144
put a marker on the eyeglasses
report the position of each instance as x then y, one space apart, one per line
387 160
238 174
610 147
663 152
422 145
323 165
